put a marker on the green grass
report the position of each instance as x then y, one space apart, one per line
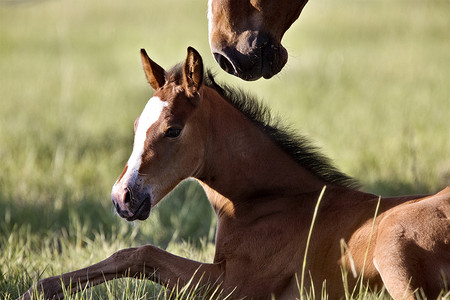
367 80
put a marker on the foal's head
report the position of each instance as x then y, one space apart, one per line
245 35
168 139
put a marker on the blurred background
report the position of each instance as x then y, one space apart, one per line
368 81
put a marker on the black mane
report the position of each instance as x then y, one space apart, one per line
297 146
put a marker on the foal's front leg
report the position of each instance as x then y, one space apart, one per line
148 260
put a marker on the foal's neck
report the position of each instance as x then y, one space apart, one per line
244 164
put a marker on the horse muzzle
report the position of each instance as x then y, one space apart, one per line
255 55
131 205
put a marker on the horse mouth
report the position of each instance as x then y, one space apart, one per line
142 212
273 59
265 61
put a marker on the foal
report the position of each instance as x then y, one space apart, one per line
263 184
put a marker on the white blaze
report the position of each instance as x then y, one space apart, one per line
149 116
210 20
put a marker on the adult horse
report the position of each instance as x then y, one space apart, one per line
245 35
263 183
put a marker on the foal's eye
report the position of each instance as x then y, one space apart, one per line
173 132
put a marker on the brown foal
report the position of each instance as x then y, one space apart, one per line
263 183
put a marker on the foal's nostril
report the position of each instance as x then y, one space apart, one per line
224 63
127 197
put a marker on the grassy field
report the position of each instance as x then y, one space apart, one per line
367 80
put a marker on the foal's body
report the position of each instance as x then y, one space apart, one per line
277 254
264 199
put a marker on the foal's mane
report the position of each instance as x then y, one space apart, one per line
297 146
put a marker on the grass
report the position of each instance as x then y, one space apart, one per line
368 80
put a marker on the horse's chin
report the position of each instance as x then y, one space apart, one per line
274 58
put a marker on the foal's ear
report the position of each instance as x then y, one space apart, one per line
154 73
192 72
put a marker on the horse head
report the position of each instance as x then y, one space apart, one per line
167 148
245 35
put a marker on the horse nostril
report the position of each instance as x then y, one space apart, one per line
224 63
127 197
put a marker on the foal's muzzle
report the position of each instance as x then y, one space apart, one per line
131 205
